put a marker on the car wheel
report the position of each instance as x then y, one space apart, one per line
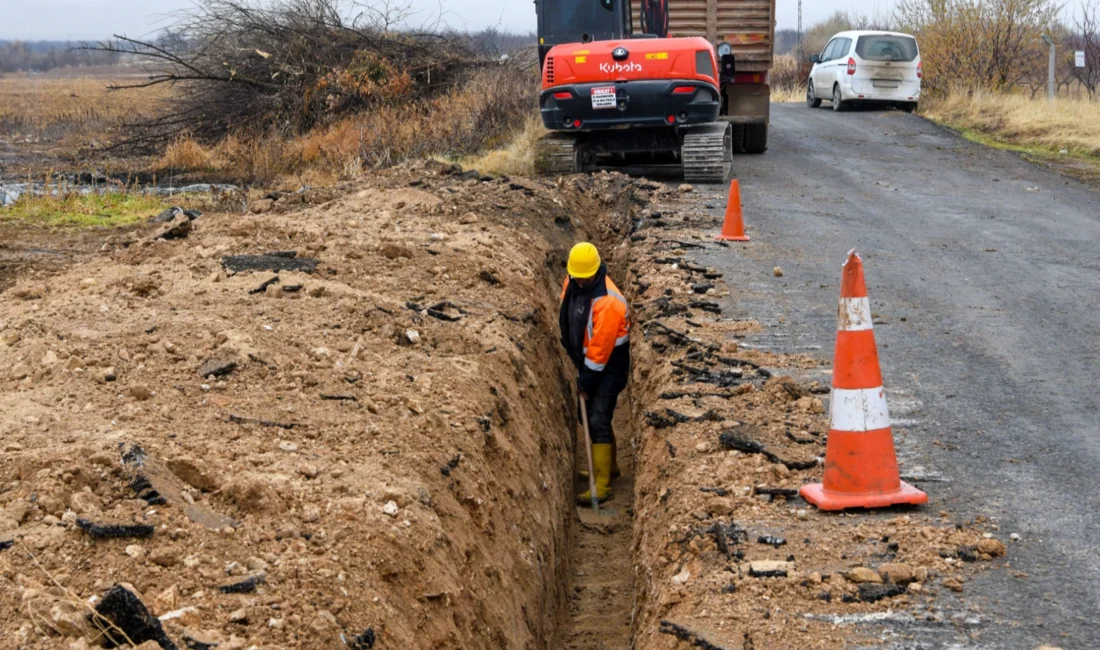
812 100
838 101
908 107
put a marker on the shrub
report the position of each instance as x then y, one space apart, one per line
980 44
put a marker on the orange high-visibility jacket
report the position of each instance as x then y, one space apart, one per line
608 324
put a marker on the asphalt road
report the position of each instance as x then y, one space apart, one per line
984 274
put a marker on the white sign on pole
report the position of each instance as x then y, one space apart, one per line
1079 58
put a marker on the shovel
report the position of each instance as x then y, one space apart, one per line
588 449
596 517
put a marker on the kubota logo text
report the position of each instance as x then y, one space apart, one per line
620 67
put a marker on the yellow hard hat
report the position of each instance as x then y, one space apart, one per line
584 261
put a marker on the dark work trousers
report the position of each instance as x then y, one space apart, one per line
601 411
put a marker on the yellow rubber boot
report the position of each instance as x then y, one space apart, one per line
615 473
601 460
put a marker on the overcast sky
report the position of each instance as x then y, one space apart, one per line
93 19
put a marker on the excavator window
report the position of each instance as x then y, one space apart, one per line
579 21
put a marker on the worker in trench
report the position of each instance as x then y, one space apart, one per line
595 330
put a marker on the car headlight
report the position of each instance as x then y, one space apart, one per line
725 49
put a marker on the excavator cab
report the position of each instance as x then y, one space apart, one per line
581 21
584 21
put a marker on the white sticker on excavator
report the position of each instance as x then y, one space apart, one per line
604 97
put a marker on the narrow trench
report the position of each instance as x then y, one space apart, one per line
601 582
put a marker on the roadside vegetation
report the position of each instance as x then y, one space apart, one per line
985 72
483 113
84 210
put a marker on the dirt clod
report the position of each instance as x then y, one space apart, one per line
991 547
861 575
770 569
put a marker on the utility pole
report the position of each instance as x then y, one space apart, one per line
801 54
1050 69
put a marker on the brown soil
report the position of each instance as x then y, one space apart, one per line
601 592
31 253
428 503
390 451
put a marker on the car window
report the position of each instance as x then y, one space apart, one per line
842 46
826 54
884 47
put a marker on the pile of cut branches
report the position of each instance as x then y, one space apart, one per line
285 67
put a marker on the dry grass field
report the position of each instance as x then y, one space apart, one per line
1067 124
56 105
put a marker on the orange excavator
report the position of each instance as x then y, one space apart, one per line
615 95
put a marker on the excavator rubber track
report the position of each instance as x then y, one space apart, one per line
556 154
707 153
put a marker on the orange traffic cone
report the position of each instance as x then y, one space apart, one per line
734 227
861 470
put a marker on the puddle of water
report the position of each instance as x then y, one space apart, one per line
10 193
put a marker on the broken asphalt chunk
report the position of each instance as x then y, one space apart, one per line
217 368
198 641
870 593
364 641
694 639
123 618
173 212
274 262
145 491
264 285
671 418
967 553
737 443
246 586
788 493
237 419
113 531
487 276
6 544
769 569
178 228
771 540
156 479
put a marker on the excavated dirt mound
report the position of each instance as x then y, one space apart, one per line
371 454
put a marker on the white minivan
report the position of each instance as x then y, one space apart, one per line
866 67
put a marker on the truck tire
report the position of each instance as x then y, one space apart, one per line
738 145
756 138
